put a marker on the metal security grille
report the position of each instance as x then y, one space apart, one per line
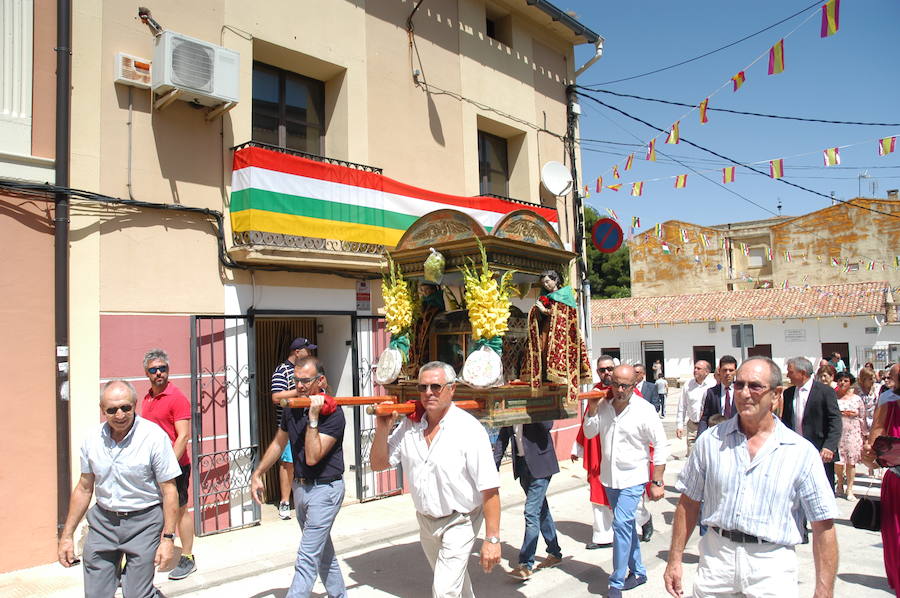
372 338
226 447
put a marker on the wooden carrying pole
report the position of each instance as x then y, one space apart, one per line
342 401
407 407
410 406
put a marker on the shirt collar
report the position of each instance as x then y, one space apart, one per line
781 432
808 385
448 418
164 392
106 431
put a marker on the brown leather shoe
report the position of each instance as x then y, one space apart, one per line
549 562
520 572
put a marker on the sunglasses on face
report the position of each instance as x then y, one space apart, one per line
435 388
113 410
606 369
158 368
755 387
306 381
622 386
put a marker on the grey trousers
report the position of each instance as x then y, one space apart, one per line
447 544
111 536
317 508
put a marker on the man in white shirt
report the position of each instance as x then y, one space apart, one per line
449 462
628 429
690 405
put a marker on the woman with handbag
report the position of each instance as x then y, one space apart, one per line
887 424
853 432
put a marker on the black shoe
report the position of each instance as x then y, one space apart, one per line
647 531
595 546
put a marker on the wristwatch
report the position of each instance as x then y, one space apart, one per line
658 483
493 540
314 424
169 536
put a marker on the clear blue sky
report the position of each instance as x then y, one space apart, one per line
850 76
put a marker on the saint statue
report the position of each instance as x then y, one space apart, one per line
432 304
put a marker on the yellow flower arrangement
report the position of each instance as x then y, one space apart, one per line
398 305
487 299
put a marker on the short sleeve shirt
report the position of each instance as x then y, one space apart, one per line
282 379
164 410
331 465
127 473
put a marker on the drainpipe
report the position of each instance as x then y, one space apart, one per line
61 256
579 245
598 53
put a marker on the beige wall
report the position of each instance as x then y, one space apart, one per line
28 476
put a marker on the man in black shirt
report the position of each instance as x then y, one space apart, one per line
316 435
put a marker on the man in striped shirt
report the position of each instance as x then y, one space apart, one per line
757 480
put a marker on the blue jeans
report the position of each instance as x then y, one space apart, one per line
538 519
317 508
626 546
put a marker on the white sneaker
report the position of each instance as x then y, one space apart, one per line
284 510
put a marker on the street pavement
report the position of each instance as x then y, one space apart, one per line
377 543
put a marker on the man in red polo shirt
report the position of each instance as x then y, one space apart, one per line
167 407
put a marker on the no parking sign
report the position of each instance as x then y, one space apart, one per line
607 235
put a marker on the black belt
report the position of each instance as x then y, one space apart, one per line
738 536
127 514
318 481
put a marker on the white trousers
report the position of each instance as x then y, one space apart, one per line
447 544
736 570
603 518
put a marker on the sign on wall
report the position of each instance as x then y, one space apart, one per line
794 335
363 296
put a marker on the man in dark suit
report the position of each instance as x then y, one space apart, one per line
646 389
534 463
811 410
720 398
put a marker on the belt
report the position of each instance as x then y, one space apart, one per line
738 536
127 514
318 481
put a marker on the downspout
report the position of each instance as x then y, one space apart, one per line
579 245
61 256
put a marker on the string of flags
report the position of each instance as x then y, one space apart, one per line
830 23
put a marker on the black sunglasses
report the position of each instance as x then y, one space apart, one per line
305 381
158 368
124 408
435 388
606 369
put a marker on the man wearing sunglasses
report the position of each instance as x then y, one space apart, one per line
166 406
454 484
316 435
628 430
751 480
128 463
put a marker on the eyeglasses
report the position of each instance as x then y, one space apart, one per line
435 388
622 386
607 369
307 381
755 387
113 410
158 368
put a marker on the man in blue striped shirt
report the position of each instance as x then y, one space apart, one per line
757 480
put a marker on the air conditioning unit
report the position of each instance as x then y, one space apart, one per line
133 71
203 73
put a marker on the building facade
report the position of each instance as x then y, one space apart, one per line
457 99
846 242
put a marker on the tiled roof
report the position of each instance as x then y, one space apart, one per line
758 304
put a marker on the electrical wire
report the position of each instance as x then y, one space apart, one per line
741 112
737 163
705 54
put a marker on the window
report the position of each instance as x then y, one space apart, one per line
288 109
758 257
493 166
706 353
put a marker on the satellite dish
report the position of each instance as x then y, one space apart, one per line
556 178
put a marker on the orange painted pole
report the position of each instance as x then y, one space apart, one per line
410 406
343 401
595 394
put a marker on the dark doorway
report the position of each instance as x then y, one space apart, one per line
760 351
706 353
652 351
842 348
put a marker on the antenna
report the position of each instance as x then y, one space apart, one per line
556 178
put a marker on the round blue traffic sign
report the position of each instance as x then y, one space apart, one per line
607 235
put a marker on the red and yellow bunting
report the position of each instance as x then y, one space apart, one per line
738 80
599 184
637 188
830 17
702 107
776 58
616 171
674 136
681 181
728 174
651 150
776 168
886 146
629 161
615 187
831 156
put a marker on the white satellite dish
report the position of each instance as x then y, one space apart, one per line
556 178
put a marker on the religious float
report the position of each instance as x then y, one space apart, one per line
448 288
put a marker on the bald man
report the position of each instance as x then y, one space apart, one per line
628 429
